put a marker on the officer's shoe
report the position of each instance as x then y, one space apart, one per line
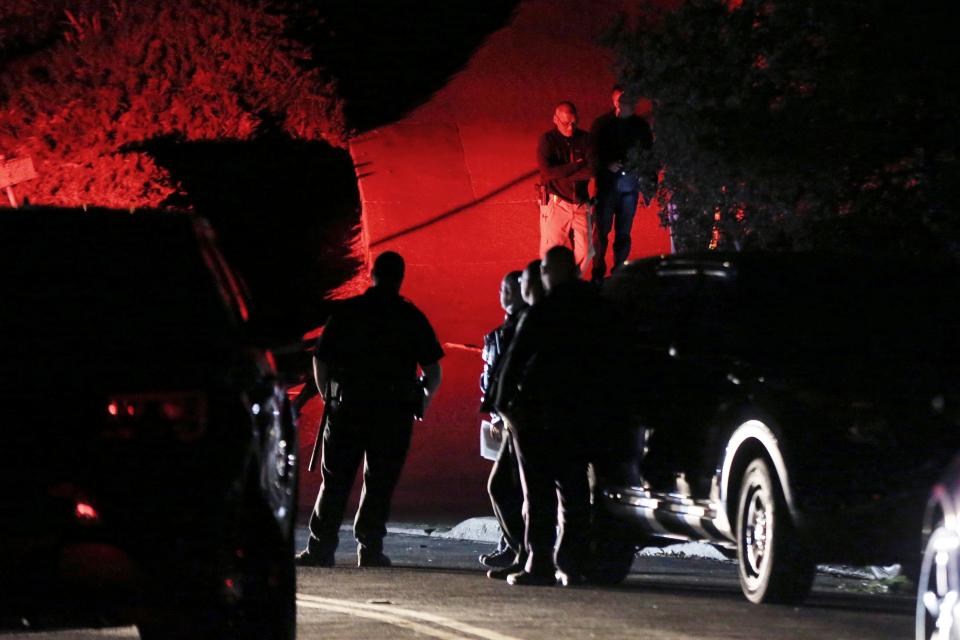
571 579
307 558
498 559
503 572
524 578
366 558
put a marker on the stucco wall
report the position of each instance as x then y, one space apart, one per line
450 187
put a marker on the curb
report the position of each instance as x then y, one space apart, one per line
487 530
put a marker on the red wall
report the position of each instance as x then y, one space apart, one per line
450 187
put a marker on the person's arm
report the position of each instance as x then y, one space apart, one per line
488 356
586 169
432 377
557 171
321 375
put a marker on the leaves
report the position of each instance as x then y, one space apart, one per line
817 124
124 73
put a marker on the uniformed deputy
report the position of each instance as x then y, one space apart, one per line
365 365
552 391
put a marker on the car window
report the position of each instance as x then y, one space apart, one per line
712 327
87 286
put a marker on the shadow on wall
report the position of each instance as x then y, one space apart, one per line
456 210
286 213
390 57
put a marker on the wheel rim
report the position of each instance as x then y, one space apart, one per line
756 535
938 600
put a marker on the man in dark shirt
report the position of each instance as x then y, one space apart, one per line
506 496
551 391
617 137
564 158
365 366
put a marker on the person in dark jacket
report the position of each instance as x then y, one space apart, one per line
506 495
617 139
531 284
365 366
549 389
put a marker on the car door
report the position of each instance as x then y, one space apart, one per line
695 311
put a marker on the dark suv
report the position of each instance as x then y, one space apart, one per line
149 453
794 408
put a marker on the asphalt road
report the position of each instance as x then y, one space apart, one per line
437 590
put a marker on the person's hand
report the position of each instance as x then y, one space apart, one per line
614 167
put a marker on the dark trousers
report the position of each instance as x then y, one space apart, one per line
506 494
615 210
553 470
381 440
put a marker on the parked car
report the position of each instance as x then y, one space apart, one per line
149 454
793 409
938 586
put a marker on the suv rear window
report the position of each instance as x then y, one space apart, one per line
139 281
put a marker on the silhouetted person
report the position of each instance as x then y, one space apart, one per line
615 136
506 495
546 391
564 158
531 285
365 366
531 290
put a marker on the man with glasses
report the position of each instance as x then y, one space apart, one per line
564 158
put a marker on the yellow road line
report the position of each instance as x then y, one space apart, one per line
402 617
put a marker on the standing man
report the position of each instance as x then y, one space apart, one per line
365 367
564 158
531 284
506 496
550 388
617 136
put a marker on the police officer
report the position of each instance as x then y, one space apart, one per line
550 389
365 366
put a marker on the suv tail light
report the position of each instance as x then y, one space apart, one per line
181 413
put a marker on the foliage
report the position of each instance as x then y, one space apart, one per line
817 124
121 73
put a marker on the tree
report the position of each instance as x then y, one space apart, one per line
818 124
122 73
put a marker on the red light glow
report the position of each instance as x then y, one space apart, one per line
113 409
173 410
86 512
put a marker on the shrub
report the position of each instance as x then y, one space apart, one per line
122 73
818 124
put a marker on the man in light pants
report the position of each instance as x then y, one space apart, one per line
564 158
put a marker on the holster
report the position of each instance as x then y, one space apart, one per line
543 197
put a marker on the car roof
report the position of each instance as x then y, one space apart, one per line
749 261
61 220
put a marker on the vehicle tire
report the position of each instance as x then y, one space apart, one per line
257 598
267 605
771 561
937 588
611 552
